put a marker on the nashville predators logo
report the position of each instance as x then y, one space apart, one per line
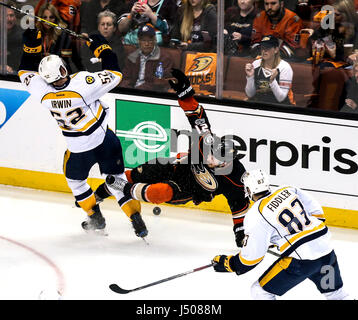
89 79
200 64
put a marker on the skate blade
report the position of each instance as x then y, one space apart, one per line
145 241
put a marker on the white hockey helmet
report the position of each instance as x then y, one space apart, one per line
255 182
50 68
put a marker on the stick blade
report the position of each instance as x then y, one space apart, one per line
114 287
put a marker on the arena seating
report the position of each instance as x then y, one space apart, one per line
327 98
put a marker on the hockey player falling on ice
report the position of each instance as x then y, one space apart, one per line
211 168
74 102
293 221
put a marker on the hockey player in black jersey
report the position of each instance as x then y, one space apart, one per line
209 169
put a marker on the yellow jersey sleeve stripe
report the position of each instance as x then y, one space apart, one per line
301 235
249 262
21 72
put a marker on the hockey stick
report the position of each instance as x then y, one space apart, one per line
114 287
71 32
274 253
117 289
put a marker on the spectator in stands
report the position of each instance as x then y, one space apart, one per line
159 13
269 78
14 41
280 22
107 27
54 41
328 44
69 11
238 28
328 49
351 92
195 28
90 10
148 67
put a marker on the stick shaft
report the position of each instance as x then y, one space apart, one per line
171 278
274 253
71 32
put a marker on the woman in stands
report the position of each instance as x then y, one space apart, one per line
269 78
54 41
195 28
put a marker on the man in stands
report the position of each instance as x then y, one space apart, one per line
147 67
280 22
14 41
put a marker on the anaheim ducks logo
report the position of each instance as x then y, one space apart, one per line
200 64
204 177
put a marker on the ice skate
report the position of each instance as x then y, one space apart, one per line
95 223
139 226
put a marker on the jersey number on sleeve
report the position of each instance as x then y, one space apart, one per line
105 77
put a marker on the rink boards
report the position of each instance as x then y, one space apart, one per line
314 153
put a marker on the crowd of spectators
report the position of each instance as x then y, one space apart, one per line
306 32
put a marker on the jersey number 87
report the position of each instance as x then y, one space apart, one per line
291 220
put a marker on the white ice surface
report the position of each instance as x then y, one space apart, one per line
43 250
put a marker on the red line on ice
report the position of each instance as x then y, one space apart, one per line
59 274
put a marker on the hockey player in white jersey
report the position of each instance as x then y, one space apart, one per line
292 220
74 101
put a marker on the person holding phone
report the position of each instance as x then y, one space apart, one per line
159 13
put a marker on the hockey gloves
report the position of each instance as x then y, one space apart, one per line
222 263
239 234
32 41
182 86
98 44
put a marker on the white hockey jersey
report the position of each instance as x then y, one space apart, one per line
77 108
289 218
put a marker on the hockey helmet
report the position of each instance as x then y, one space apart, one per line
255 182
50 68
